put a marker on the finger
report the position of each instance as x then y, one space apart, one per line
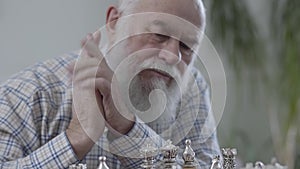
115 110
89 36
97 37
90 67
82 42
104 71
85 39
103 86
92 49
99 99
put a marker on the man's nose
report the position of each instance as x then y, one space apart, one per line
170 52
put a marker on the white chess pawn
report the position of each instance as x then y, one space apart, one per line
259 165
102 164
188 155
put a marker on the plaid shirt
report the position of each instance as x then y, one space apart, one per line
35 110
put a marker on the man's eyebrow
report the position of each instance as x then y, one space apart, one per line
159 23
191 39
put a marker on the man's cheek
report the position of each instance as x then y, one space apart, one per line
182 68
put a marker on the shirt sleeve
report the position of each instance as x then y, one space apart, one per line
24 141
57 153
127 147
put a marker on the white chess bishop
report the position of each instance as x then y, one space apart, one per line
189 156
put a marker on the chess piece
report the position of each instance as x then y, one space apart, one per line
216 163
229 158
78 166
102 164
259 165
189 156
274 161
149 154
249 165
275 164
73 166
82 166
169 152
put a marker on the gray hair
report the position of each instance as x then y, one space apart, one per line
124 5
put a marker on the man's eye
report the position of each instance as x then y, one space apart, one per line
160 37
185 49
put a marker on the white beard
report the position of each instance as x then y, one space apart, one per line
163 108
155 100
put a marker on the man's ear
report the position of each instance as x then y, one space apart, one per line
112 17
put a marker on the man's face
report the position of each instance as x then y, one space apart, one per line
156 39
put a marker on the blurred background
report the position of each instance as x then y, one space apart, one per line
257 40
34 30
259 43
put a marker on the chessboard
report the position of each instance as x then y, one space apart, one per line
227 160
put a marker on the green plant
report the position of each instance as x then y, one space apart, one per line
232 26
286 37
235 33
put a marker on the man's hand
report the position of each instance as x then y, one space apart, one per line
117 122
92 100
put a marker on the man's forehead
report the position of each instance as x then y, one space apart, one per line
161 23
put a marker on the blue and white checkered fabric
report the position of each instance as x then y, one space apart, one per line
36 109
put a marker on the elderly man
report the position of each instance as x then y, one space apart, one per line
141 89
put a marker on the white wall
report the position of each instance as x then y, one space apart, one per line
34 30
